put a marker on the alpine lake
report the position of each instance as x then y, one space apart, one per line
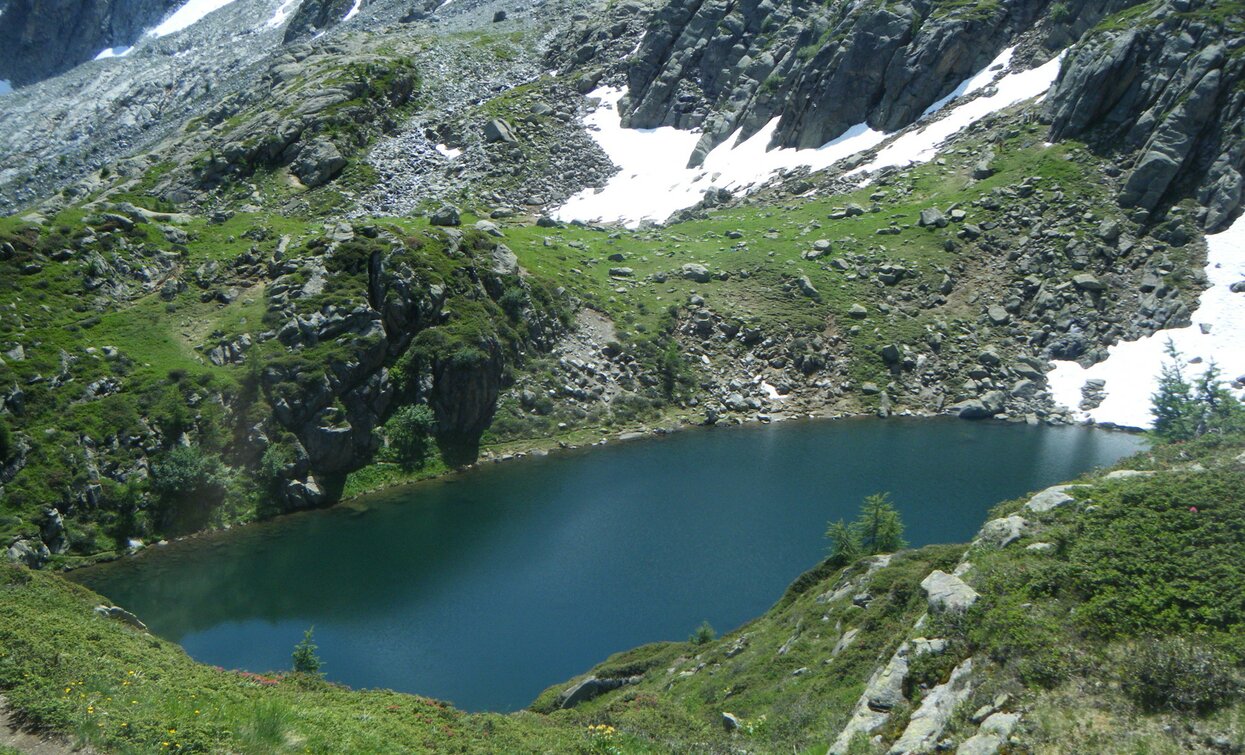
486 587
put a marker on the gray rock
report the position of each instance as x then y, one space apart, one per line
120 614
991 735
498 130
1125 474
807 288
1004 531
930 719
505 262
730 722
32 553
696 272
448 215
318 163
1087 282
1050 498
489 227
591 688
932 217
948 593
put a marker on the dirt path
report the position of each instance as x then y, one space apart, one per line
12 735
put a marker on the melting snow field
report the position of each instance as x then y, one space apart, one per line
113 52
282 13
654 182
921 145
354 11
188 14
1131 371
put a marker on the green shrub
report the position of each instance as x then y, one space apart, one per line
513 301
305 659
6 441
878 529
703 635
190 484
1183 411
409 431
1179 674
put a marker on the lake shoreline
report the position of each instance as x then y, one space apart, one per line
529 449
705 525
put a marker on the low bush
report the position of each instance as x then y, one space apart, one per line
1179 674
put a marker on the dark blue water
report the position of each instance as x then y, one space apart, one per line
486 589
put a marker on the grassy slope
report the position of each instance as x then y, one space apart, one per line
1055 631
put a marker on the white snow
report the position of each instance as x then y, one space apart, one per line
922 144
654 181
113 52
190 13
771 392
5 86
1131 371
449 152
282 13
354 10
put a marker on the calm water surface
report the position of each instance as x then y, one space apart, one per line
486 589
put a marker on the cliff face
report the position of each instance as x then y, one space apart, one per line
41 38
730 65
1167 89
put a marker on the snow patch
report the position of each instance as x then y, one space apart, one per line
655 182
449 152
190 13
1131 371
5 86
113 52
922 144
977 81
354 11
282 13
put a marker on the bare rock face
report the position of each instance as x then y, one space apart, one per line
42 39
315 16
1167 92
737 64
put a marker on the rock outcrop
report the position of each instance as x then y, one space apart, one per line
42 39
1164 89
738 64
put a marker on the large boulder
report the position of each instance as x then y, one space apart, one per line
696 272
498 130
447 215
318 163
32 553
590 688
948 593
1051 498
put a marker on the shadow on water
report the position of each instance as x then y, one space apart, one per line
485 589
